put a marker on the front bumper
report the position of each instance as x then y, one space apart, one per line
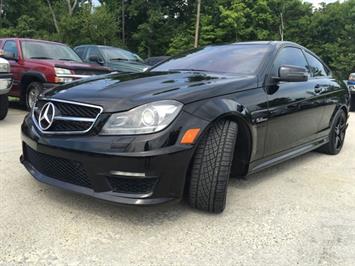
5 83
111 168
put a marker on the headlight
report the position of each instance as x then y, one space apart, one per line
5 67
62 71
62 75
147 118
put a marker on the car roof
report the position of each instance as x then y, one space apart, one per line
97 45
29 39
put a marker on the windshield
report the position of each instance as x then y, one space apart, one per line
237 59
47 50
112 54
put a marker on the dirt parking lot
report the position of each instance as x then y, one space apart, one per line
300 212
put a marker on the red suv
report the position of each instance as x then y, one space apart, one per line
37 64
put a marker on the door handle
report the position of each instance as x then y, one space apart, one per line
320 88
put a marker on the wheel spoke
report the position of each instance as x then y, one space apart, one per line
337 142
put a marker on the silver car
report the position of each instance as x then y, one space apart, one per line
5 85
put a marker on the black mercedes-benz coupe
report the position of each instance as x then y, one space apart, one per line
186 125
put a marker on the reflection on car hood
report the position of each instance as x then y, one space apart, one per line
120 92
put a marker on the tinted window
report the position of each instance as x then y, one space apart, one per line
289 56
316 67
237 58
10 47
80 51
93 51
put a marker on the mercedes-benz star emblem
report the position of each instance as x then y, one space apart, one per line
46 116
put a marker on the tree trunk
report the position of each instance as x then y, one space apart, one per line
1 7
197 30
281 27
123 23
71 7
53 16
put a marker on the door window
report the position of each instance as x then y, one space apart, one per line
317 69
93 51
10 47
289 56
81 52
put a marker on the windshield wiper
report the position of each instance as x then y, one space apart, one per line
40 57
119 59
188 69
66 59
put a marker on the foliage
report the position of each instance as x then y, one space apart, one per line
159 27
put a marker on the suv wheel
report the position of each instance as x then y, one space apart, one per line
211 167
337 135
33 90
4 106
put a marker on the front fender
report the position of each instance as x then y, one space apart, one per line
248 108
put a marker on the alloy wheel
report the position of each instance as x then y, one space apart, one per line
339 132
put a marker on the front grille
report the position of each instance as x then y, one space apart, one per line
69 118
132 186
65 126
58 168
68 109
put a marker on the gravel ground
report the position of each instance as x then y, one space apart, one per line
300 212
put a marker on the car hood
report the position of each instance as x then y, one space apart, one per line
126 66
121 92
72 65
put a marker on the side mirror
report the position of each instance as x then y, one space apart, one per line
96 59
292 74
8 55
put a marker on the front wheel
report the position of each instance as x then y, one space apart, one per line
33 90
4 106
211 167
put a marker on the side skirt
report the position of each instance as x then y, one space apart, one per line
264 163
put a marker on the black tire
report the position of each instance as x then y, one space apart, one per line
32 91
211 167
4 106
337 135
352 103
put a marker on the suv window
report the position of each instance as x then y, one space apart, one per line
289 56
10 47
316 67
80 51
93 51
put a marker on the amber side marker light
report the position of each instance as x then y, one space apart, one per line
190 136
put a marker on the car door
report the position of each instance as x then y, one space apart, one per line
294 112
10 47
327 89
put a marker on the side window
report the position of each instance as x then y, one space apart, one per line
289 56
81 52
316 67
93 51
10 47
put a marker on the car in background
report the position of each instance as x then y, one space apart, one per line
151 61
5 85
351 85
37 64
114 58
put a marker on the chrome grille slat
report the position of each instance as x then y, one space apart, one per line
70 117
